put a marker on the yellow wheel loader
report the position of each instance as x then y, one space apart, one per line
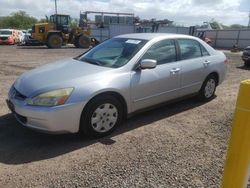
56 32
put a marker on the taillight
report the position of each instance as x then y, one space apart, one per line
226 61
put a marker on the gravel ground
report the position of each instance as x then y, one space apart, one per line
178 145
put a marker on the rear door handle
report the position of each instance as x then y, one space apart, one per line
206 62
175 70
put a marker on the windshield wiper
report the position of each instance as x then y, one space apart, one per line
92 61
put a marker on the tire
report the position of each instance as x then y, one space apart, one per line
247 63
208 88
54 41
101 116
75 43
82 42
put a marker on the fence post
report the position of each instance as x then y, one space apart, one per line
216 36
237 166
101 34
238 37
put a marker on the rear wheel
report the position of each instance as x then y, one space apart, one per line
54 41
247 63
101 116
82 42
208 88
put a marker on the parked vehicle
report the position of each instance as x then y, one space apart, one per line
7 36
93 92
57 33
246 56
28 40
21 36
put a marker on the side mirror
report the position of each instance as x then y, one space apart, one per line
148 64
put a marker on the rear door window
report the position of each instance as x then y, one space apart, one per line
204 51
189 49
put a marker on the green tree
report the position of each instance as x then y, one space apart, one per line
237 26
74 23
17 20
215 24
43 20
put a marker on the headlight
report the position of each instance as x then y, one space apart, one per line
51 98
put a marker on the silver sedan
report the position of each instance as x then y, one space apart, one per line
95 91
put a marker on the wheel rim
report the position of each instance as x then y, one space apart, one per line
104 117
55 41
210 88
83 41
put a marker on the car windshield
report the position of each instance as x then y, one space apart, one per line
5 32
113 53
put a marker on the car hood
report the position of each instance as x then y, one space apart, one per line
247 48
4 35
61 74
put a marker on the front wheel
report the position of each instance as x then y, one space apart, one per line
101 116
54 41
208 88
82 42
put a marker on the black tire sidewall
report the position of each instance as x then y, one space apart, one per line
51 37
201 94
82 37
85 122
76 44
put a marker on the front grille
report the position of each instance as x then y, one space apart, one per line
246 53
3 38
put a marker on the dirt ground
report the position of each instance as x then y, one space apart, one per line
178 145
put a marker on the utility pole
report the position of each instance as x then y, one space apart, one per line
56 13
249 20
55 7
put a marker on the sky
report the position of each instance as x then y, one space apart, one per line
183 12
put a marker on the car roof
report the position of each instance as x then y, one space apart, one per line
150 36
6 29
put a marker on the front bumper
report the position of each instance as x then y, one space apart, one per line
58 119
9 41
245 58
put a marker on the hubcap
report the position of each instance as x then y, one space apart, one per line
210 87
104 117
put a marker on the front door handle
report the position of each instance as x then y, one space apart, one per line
175 70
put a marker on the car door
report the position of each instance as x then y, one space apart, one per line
153 86
194 63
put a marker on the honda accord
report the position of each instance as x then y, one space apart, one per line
94 92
